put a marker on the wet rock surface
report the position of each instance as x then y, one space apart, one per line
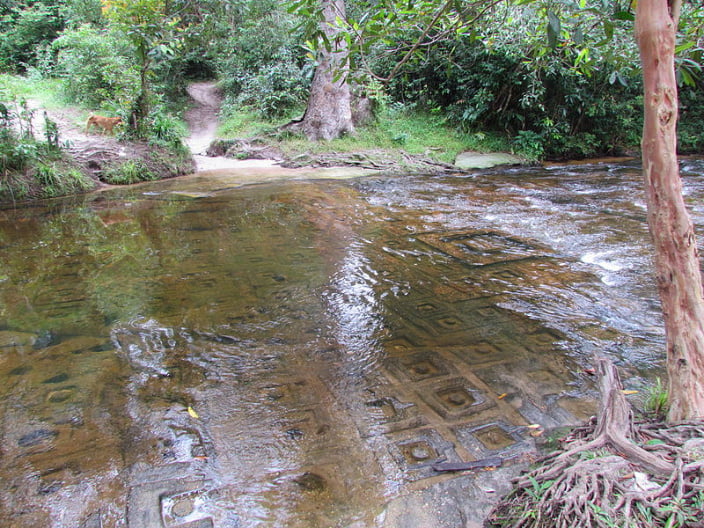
481 160
302 354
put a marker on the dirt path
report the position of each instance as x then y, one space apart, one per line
202 118
93 149
71 123
202 121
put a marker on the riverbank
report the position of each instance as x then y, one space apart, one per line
401 146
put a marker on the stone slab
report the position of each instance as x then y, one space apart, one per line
478 160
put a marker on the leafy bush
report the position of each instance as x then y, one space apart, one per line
262 69
689 127
131 171
166 130
18 147
274 90
551 109
95 66
79 12
24 32
30 168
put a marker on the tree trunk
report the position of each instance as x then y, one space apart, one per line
328 114
676 257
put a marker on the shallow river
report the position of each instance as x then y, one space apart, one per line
193 353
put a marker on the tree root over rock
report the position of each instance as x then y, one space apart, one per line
613 472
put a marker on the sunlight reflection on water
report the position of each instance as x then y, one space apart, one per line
297 354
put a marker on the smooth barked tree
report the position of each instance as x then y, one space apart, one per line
677 269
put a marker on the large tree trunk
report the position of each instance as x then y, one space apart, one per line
328 114
676 257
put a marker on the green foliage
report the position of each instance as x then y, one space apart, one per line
31 168
538 489
553 112
154 34
529 508
420 133
239 123
95 66
51 132
128 172
25 32
530 144
45 91
689 127
166 130
46 175
263 68
274 90
657 400
81 12
19 149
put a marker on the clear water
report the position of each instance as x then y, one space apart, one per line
297 354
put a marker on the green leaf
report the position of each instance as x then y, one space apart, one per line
624 15
687 78
554 29
582 56
296 6
684 47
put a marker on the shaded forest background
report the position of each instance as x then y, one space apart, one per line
541 80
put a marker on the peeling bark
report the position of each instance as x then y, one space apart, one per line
676 257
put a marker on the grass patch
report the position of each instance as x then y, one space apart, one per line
657 400
394 130
129 172
49 177
46 91
244 124
60 179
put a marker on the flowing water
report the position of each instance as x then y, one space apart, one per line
192 353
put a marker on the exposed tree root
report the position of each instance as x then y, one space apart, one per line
613 472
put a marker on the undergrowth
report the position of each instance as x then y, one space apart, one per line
394 129
613 472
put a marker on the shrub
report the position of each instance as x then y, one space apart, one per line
30 168
689 127
550 108
18 148
262 68
96 67
24 32
128 172
166 130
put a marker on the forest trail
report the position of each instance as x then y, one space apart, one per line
92 148
202 119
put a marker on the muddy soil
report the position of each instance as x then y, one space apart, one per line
94 150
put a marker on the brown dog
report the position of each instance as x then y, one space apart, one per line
101 122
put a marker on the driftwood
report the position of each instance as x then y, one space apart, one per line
614 472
